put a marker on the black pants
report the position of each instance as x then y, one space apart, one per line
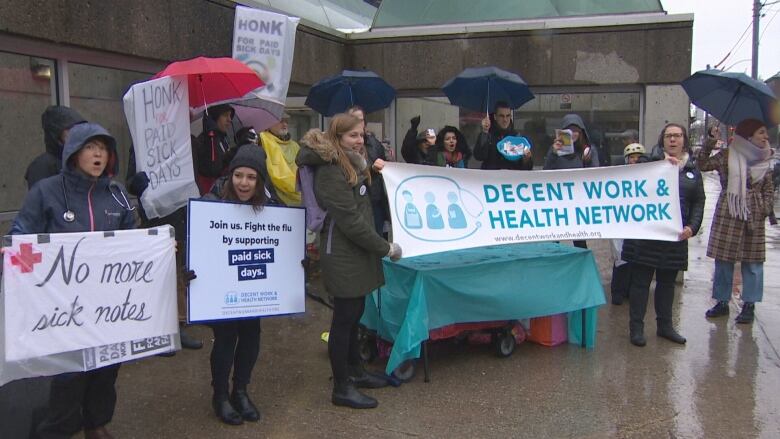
621 280
641 276
343 348
79 400
236 346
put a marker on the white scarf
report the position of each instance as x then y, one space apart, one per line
744 157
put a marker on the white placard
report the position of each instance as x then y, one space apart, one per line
157 113
437 209
71 291
265 41
247 262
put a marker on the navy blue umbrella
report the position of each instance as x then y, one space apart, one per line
335 94
731 97
479 88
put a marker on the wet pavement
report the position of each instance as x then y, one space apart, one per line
724 383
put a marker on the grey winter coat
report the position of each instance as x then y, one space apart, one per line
573 161
350 249
98 204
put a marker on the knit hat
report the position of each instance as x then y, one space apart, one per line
249 156
747 127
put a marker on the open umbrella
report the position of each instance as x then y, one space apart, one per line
479 88
213 81
335 94
731 97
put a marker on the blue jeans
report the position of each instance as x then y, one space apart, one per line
752 281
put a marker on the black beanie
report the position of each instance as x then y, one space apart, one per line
218 110
250 156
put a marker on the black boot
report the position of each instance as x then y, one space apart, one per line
188 341
365 379
667 331
347 395
637 335
224 410
720 309
243 405
748 314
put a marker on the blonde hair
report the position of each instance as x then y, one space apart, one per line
339 125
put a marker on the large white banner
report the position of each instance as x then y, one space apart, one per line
247 262
73 291
157 113
265 41
439 209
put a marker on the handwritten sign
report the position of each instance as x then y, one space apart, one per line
72 291
158 116
440 209
248 262
265 41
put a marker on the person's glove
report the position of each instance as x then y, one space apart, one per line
395 252
415 122
139 183
188 276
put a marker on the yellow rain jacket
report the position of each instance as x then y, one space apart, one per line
281 166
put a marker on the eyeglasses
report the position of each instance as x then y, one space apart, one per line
673 136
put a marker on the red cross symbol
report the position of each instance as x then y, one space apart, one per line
26 258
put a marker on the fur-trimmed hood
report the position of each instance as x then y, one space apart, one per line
316 150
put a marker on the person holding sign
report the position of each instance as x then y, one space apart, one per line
81 198
237 342
738 225
351 250
665 258
494 128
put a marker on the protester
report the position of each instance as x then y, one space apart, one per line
665 258
57 121
738 225
212 145
494 128
237 342
374 151
81 198
584 156
417 148
633 153
247 137
281 151
452 150
350 249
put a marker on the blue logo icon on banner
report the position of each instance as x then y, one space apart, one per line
231 298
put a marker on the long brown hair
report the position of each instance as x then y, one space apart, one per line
257 201
340 124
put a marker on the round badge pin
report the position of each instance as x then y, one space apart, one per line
689 174
363 190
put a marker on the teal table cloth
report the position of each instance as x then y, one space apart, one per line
506 282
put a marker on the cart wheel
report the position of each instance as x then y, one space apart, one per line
405 371
505 344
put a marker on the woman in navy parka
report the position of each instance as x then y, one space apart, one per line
81 198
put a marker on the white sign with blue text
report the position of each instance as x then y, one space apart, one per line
440 209
248 261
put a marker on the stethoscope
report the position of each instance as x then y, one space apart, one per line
69 216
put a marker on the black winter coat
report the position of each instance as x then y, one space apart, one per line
485 150
54 120
672 255
413 154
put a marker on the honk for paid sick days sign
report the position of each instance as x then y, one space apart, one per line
439 209
65 292
248 262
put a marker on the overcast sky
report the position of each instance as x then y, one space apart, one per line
717 26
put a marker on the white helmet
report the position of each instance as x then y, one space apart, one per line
634 148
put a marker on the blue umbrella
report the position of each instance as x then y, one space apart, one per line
731 97
335 94
479 88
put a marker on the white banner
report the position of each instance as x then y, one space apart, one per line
265 41
157 113
437 209
72 291
247 262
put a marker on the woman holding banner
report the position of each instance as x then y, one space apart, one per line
350 248
81 198
738 225
665 258
237 342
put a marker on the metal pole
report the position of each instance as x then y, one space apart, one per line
756 17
